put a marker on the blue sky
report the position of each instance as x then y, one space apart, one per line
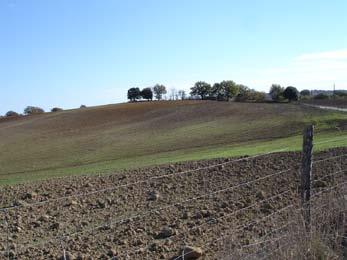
66 53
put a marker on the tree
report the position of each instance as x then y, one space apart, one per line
276 92
291 93
247 94
182 94
243 93
159 91
305 93
173 94
11 114
29 110
201 89
217 91
230 88
147 93
134 93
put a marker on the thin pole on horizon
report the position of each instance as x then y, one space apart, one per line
334 91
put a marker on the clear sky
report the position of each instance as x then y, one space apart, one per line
71 52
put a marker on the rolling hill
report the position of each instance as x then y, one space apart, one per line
108 138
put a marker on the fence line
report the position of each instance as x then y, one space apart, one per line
329 158
109 223
327 189
242 227
266 241
137 182
267 234
5 210
40 203
331 174
105 224
299 208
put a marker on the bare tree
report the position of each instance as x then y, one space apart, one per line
182 94
173 94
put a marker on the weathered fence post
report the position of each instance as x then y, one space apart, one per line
306 171
7 227
62 243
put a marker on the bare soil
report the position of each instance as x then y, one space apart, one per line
139 215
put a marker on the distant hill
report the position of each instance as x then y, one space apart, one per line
106 138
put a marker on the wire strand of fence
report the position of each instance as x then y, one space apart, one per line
138 182
329 175
39 203
276 250
270 241
327 189
134 216
329 158
240 210
268 234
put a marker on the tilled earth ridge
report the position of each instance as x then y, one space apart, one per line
136 215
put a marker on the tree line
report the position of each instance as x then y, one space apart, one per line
221 91
225 91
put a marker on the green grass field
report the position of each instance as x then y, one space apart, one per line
108 138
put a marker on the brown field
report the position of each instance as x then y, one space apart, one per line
194 207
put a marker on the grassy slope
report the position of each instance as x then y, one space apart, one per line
107 138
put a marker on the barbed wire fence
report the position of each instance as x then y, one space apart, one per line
290 217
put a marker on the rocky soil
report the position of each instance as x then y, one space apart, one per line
159 212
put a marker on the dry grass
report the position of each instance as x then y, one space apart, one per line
326 238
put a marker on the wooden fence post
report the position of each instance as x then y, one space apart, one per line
306 171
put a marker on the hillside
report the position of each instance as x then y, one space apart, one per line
108 138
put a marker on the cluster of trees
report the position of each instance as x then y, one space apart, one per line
158 92
31 110
224 90
136 93
279 93
290 93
